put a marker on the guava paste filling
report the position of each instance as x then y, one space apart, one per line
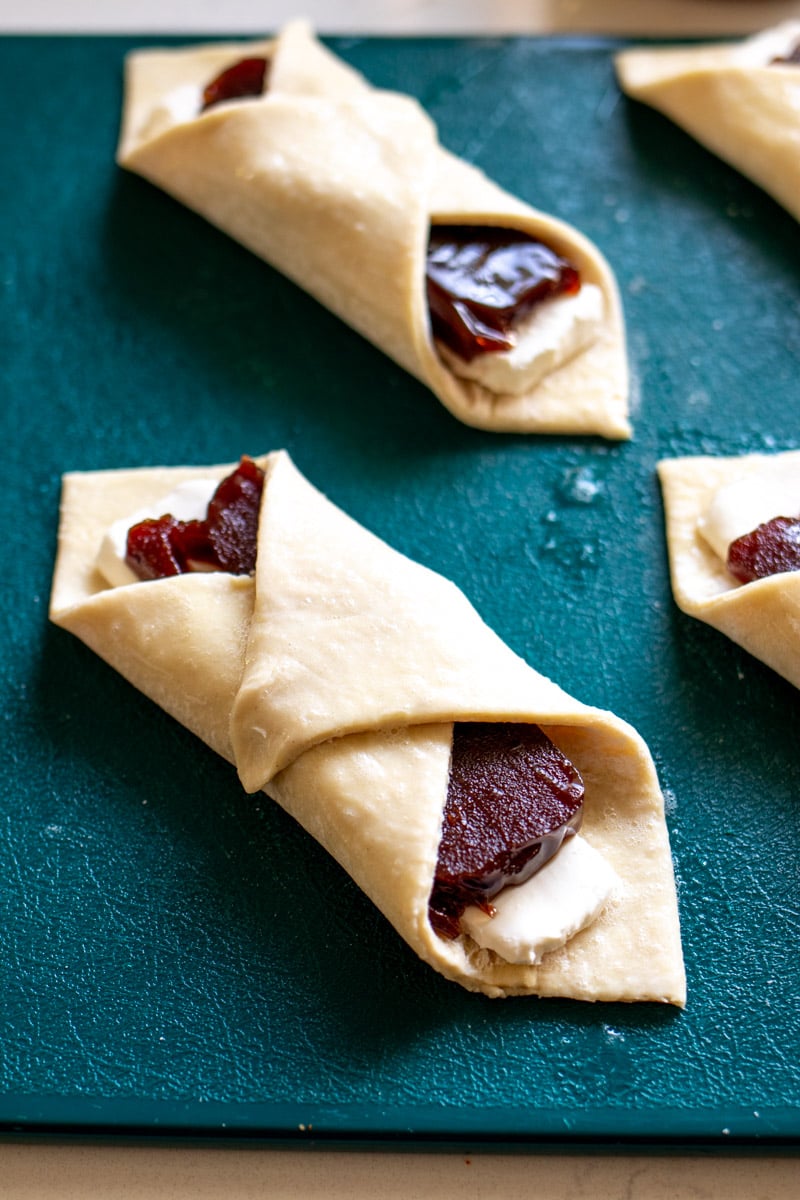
224 541
483 279
512 799
770 549
246 78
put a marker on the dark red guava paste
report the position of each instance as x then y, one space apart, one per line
224 541
248 77
770 549
512 798
483 279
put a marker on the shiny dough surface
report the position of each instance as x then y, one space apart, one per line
335 183
332 680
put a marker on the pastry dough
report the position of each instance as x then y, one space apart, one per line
762 616
332 680
731 100
335 183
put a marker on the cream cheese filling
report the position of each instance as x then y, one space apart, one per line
555 331
543 913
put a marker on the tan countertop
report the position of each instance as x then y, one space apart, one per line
44 1171
622 17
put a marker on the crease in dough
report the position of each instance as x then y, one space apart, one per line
731 99
763 616
335 184
332 679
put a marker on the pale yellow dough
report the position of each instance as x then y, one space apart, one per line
762 616
731 100
332 680
335 183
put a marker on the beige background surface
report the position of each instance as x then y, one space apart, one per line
88 1172
679 17
140 1173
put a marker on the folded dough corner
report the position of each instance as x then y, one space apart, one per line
332 679
733 98
763 617
335 184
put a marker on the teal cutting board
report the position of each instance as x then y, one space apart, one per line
178 958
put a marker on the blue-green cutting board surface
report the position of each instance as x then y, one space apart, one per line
180 958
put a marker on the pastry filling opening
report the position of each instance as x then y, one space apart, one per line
512 799
245 78
512 874
224 540
506 309
742 528
483 279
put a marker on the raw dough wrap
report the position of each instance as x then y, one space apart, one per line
335 184
762 616
332 680
728 98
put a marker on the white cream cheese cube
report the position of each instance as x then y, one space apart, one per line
543 913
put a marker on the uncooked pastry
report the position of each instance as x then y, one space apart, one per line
733 100
762 616
335 183
332 680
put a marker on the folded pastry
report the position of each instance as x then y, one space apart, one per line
733 534
353 685
740 100
511 317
